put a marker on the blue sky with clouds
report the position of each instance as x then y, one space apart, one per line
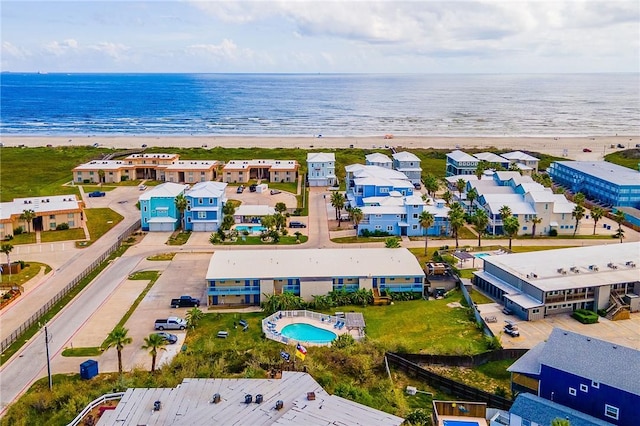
324 36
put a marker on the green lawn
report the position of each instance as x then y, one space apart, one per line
24 238
63 235
179 238
628 158
100 221
30 270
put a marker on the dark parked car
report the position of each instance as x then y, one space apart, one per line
240 189
185 302
620 145
168 337
252 187
586 150
511 329
97 194
296 224
417 185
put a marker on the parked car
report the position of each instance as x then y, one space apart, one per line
142 187
620 145
168 337
240 189
511 329
296 224
586 150
417 185
97 194
171 323
275 191
252 187
144 145
185 302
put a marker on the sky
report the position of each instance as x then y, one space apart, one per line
322 36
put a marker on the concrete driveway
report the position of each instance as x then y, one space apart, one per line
262 199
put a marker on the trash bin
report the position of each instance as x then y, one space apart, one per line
89 369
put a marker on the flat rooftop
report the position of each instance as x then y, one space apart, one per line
556 269
606 171
190 403
313 263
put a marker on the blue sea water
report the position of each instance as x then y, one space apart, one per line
327 104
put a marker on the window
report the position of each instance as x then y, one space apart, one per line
389 227
52 225
611 411
525 422
202 215
572 391
69 215
52 216
584 388
595 385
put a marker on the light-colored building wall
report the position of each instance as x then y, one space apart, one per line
309 288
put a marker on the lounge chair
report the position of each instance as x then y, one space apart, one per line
223 334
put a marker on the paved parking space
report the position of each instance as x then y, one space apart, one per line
262 199
625 332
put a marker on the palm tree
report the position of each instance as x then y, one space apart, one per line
535 220
194 315
472 195
618 217
118 339
357 216
460 185
281 207
392 242
511 227
337 201
456 220
481 221
181 206
482 166
6 249
505 212
101 175
577 214
596 213
447 197
28 216
426 220
431 184
154 343
579 199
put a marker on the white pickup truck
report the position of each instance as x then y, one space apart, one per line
171 323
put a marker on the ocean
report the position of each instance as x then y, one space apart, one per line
321 104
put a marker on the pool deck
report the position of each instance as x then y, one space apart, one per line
451 420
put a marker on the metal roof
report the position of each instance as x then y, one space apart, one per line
40 205
606 171
207 189
190 403
313 263
519 155
405 156
164 190
490 157
459 156
321 157
377 157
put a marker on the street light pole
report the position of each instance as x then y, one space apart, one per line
46 342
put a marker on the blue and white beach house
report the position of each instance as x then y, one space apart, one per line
589 375
601 181
158 210
205 201
245 277
321 169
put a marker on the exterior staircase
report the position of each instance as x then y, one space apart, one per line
617 309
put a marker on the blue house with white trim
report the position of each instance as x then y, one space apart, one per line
158 210
601 181
205 201
409 164
590 375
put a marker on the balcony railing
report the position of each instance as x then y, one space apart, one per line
402 287
241 290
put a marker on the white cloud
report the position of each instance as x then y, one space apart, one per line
11 50
227 49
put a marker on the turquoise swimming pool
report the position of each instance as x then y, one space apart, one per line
308 333
482 255
250 228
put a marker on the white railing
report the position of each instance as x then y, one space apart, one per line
93 404
273 335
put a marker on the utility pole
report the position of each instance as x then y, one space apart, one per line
46 342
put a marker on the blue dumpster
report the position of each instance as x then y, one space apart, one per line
89 369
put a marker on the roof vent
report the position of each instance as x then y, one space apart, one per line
593 268
216 398
562 271
612 265
575 269
630 264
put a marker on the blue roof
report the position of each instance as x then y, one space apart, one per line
609 172
543 412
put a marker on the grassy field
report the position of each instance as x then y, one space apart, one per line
24 238
31 269
354 372
63 235
627 158
100 221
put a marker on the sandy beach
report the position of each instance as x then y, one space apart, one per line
570 147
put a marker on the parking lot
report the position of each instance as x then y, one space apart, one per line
624 332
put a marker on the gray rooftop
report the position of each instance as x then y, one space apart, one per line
190 404
606 171
529 363
546 264
543 412
313 263
598 360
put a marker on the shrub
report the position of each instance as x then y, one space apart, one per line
19 230
419 416
376 233
553 232
62 227
585 316
602 312
8 237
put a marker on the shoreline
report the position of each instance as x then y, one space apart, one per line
561 146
